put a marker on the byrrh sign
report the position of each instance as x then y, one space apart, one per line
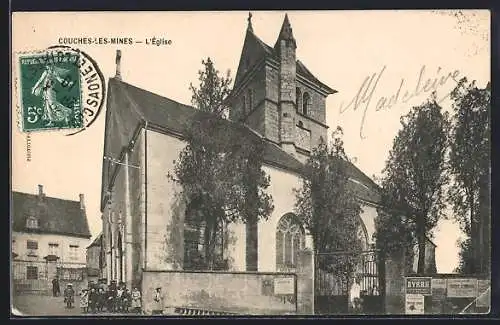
418 285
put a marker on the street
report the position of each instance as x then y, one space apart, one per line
39 305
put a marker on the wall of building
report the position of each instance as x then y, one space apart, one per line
281 188
368 215
93 257
126 206
78 259
165 207
241 293
272 98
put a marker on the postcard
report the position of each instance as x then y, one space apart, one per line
250 163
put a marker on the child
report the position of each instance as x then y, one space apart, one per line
84 300
136 301
158 302
69 296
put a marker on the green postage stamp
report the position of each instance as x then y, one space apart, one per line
50 92
58 88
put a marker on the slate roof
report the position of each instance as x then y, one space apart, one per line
271 52
128 106
55 216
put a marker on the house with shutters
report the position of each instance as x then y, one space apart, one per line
147 224
49 237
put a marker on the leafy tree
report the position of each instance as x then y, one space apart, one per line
465 257
220 169
470 167
414 175
213 90
329 209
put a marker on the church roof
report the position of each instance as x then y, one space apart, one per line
128 106
54 215
272 53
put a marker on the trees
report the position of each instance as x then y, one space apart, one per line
220 167
469 166
328 208
414 174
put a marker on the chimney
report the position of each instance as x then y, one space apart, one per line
118 74
40 191
82 203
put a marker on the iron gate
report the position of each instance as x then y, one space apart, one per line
333 281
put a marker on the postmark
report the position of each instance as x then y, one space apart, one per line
58 88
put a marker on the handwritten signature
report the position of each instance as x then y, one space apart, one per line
365 93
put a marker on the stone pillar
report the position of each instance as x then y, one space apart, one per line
394 282
305 283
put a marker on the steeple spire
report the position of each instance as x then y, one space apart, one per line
286 33
249 27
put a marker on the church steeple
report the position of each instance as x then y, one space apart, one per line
286 34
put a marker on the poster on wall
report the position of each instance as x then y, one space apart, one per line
461 288
418 285
284 286
414 304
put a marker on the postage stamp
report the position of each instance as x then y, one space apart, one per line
59 88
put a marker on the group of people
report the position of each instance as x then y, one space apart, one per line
100 296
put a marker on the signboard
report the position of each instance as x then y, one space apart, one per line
484 293
438 295
418 285
461 288
414 304
284 286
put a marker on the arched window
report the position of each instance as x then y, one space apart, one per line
290 239
32 223
298 98
306 102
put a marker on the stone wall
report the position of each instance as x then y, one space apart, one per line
239 292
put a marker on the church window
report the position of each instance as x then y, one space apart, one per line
290 239
32 223
298 98
306 103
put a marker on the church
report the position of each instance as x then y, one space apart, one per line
277 100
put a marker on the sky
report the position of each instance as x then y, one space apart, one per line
344 49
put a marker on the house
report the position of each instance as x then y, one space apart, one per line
277 100
49 236
94 258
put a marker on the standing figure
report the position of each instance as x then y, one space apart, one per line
56 290
53 110
110 298
119 299
355 296
69 296
84 300
158 302
93 300
136 301
100 299
126 300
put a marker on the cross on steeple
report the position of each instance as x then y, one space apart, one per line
250 28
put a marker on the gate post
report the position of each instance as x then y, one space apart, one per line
305 283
